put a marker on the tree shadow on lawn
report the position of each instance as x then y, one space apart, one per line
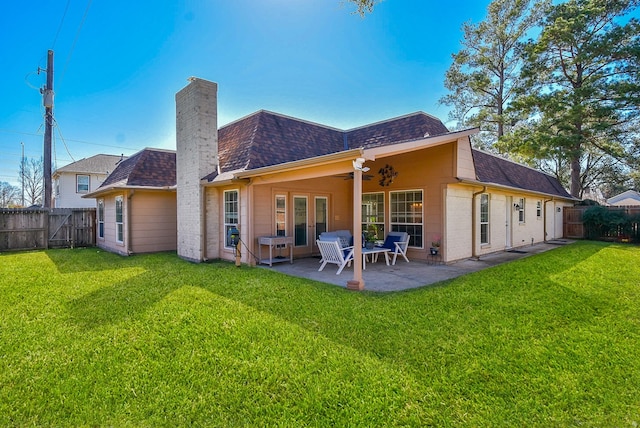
90 259
119 302
403 326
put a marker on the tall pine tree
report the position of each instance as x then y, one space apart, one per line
581 91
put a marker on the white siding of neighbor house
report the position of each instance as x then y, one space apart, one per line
65 193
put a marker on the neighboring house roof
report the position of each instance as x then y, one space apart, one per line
265 138
629 194
494 169
147 168
98 164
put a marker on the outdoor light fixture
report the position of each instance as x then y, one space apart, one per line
357 165
516 207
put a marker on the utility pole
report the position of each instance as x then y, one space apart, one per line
47 100
22 172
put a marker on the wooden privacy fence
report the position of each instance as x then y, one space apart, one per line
624 226
22 229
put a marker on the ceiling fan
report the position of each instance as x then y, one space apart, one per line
349 176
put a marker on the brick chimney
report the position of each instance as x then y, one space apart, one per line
196 154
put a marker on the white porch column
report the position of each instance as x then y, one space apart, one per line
357 283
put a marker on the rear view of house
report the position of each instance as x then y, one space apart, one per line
271 175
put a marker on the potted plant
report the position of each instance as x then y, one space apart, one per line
370 236
435 247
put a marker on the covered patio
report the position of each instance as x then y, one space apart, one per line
403 276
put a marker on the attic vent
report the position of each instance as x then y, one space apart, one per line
426 134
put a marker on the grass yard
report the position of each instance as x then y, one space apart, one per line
88 338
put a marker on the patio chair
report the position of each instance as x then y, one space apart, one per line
332 252
343 236
397 243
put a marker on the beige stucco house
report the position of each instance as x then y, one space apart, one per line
71 182
273 175
136 204
269 174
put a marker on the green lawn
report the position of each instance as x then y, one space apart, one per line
91 338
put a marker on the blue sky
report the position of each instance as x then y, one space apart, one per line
118 65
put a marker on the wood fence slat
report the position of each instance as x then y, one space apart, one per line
22 229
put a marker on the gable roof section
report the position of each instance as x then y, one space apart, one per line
491 169
405 128
265 138
147 168
627 194
98 164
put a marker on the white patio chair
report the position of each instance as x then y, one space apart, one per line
397 243
332 252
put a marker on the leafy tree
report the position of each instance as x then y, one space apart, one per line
31 178
364 6
483 76
581 90
8 194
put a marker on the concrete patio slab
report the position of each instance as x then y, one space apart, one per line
404 276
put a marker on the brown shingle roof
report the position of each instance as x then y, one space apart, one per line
265 138
406 128
496 170
149 167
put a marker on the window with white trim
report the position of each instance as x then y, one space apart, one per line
484 218
373 212
101 218
281 215
119 222
539 209
521 210
82 183
406 215
231 214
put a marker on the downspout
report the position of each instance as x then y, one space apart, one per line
250 219
203 222
544 219
474 227
129 205
203 209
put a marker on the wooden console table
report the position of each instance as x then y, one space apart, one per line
273 241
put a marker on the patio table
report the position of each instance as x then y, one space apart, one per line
374 255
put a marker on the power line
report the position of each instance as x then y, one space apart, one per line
55 39
10 131
75 39
62 138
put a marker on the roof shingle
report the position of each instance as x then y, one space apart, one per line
148 167
494 169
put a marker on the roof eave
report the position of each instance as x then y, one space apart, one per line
519 189
409 146
111 189
300 164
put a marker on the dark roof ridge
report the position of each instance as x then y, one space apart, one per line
273 113
391 119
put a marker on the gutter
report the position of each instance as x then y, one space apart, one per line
100 192
517 189
245 176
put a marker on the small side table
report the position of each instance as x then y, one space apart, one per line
434 259
273 241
